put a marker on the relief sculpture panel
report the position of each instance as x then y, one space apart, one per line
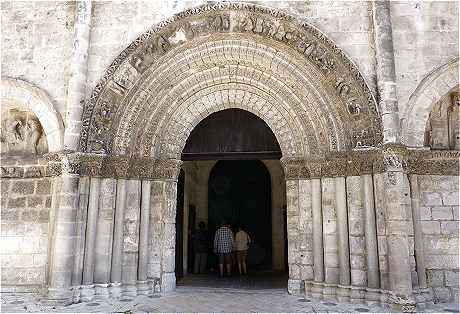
21 133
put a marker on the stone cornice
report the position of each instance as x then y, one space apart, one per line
353 163
389 158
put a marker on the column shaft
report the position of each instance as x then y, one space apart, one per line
386 77
62 248
77 274
370 232
144 230
318 253
418 237
91 229
117 249
78 74
104 234
399 229
342 228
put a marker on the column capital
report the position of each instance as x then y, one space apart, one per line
107 166
395 157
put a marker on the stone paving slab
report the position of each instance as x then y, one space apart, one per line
193 299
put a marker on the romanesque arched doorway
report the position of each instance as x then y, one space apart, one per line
287 73
231 161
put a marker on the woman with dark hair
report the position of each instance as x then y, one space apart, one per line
242 241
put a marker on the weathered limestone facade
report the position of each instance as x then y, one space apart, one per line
361 96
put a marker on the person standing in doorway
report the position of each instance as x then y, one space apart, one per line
201 249
223 245
242 241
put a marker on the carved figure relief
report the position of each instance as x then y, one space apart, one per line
443 126
21 133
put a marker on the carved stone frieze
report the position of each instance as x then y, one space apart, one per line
352 163
389 159
434 162
21 133
341 77
97 165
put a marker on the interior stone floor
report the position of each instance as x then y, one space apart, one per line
260 292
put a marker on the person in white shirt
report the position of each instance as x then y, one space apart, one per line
242 241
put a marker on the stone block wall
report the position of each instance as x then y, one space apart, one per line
439 214
37 44
26 204
425 36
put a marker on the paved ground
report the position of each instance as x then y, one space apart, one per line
210 294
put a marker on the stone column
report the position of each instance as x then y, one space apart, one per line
370 232
318 253
117 248
292 216
399 227
358 272
63 231
77 275
131 237
78 74
144 237
104 234
419 250
342 229
168 254
91 229
385 69
161 259
305 231
155 230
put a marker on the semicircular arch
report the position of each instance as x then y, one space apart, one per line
33 98
431 89
316 92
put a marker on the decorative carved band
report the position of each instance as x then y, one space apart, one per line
352 163
389 158
95 165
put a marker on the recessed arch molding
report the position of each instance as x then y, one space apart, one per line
147 93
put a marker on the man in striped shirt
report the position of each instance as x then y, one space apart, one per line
223 246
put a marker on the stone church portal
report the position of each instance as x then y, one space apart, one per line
329 128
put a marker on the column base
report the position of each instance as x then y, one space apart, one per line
101 290
295 287
357 295
343 293
168 282
87 293
58 296
143 287
115 290
129 290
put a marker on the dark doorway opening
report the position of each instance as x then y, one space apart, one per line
237 189
239 192
180 226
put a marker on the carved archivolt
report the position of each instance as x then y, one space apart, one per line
30 122
230 55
